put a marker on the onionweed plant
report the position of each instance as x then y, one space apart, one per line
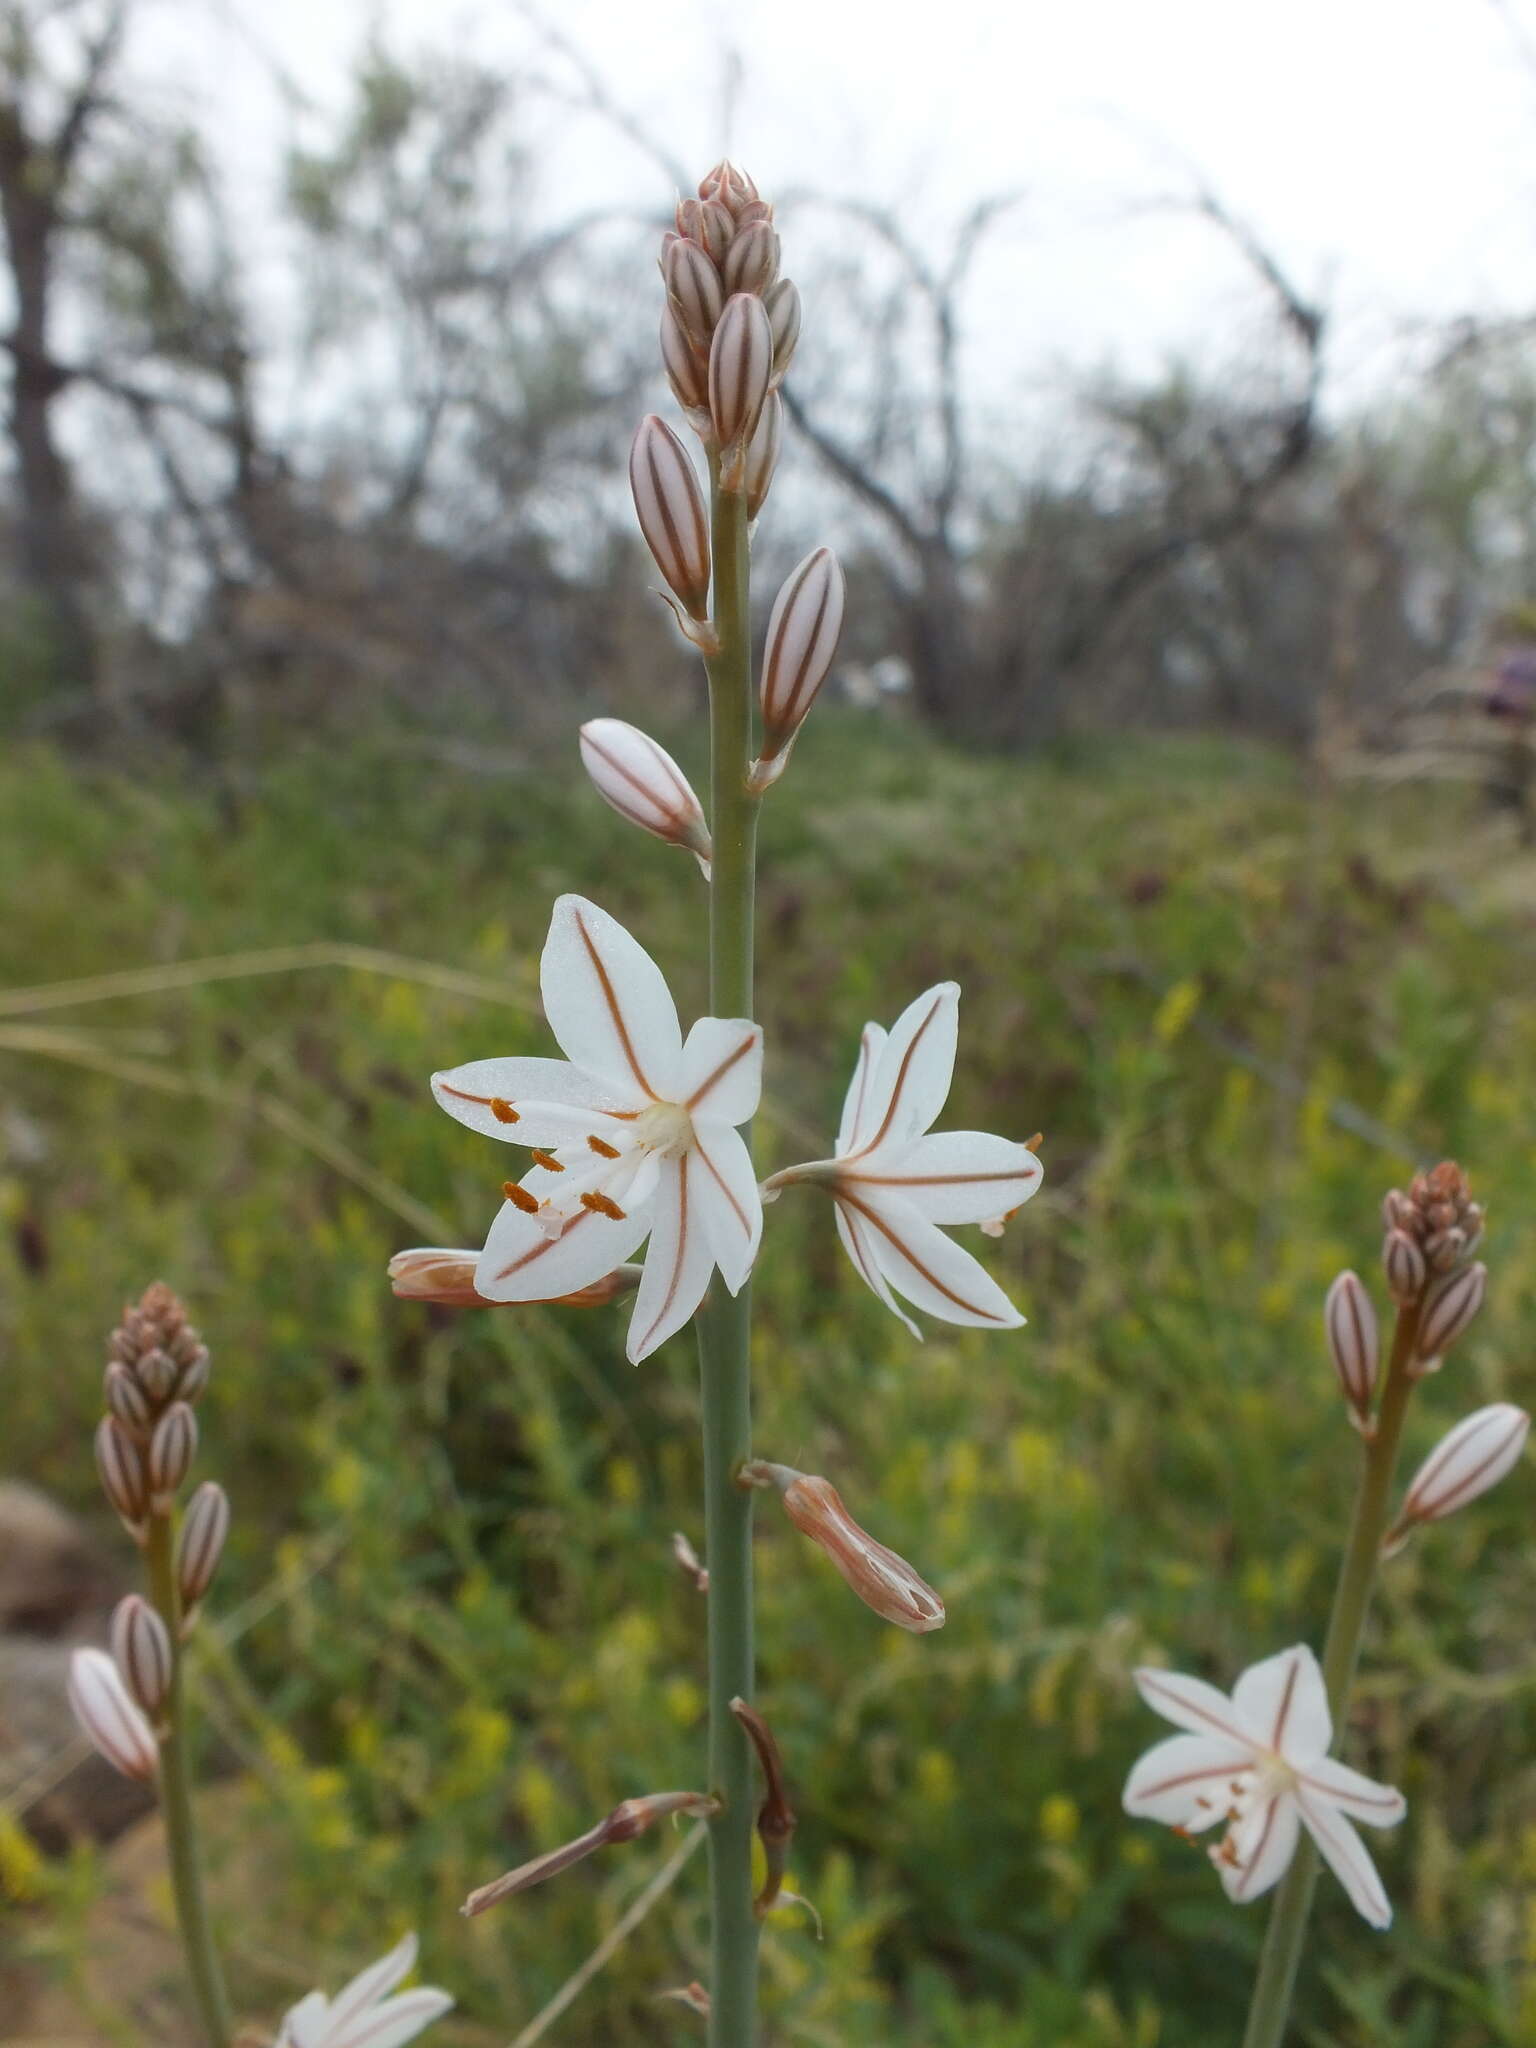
639 1139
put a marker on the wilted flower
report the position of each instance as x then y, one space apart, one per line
364 2015
895 1183
445 1275
628 1820
632 1137
1259 1761
1467 1461
114 1723
885 1582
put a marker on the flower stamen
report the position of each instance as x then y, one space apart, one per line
520 1198
548 1160
602 1205
602 1148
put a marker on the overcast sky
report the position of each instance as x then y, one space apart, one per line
1386 149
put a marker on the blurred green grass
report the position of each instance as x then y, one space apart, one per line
1238 1010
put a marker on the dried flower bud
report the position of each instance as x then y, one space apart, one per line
642 782
200 1544
141 1647
693 1995
882 1580
670 506
1448 1311
752 262
763 454
629 1819
803 630
1350 1321
686 1558
783 304
171 1450
121 1467
116 1727
445 1274
1405 1266
1473 1457
740 365
126 1399
694 289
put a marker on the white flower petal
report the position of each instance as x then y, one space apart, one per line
915 1068
678 1261
1348 1858
395 2022
370 1985
1186 1782
304 2026
1191 1703
522 1262
1269 1843
852 1131
722 1073
541 1102
1353 1793
110 1716
858 1244
954 1176
1284 1702
608 1003
725 1188
933 1272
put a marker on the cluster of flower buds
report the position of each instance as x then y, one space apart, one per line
1431 1230
885 1582
729 326
157 1368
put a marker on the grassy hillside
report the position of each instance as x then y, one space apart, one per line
1237 1015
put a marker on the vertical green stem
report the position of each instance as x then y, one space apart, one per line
176 1804
724 1323
1286 1934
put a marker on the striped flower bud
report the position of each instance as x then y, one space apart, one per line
192 1383
1448 1311
109 1717
157 1375
141 1648
126 1399
883 1581
445 1275
200 1544
763 454
171 1450
752 262
694 288
670 506
803 630
783 305
740 365
1473 1457
687 371
1403 1263
1350 1322
121 1467
642 782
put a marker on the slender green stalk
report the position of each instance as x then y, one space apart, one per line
725 1323
1285 1937
176 1805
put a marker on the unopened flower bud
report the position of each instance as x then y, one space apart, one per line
687 370
694 289
642 782
126 1399
1473 1457
783 304
171 1450
115 1725
157 1375
1445 1249
141 1648
1404 1265
193 1381
763 454
121 1466
752 261
803 630
1350 1321
670 506
740 365
200 1544
882 1580
1449 1309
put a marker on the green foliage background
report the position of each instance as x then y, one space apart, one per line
455 1635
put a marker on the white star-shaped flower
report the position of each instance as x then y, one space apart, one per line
364 2015
895 1183
633 1135
1259 1761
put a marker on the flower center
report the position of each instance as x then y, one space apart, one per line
664 1127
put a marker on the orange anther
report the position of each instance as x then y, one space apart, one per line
603 1205
603 1149
547 1160
520 1198
503 1111
1033 1144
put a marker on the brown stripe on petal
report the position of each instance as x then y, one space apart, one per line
901 1080
936 1180
873 1217
721 1071
614 1011
678 1257
1287 1698
1258 1849
719 1180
